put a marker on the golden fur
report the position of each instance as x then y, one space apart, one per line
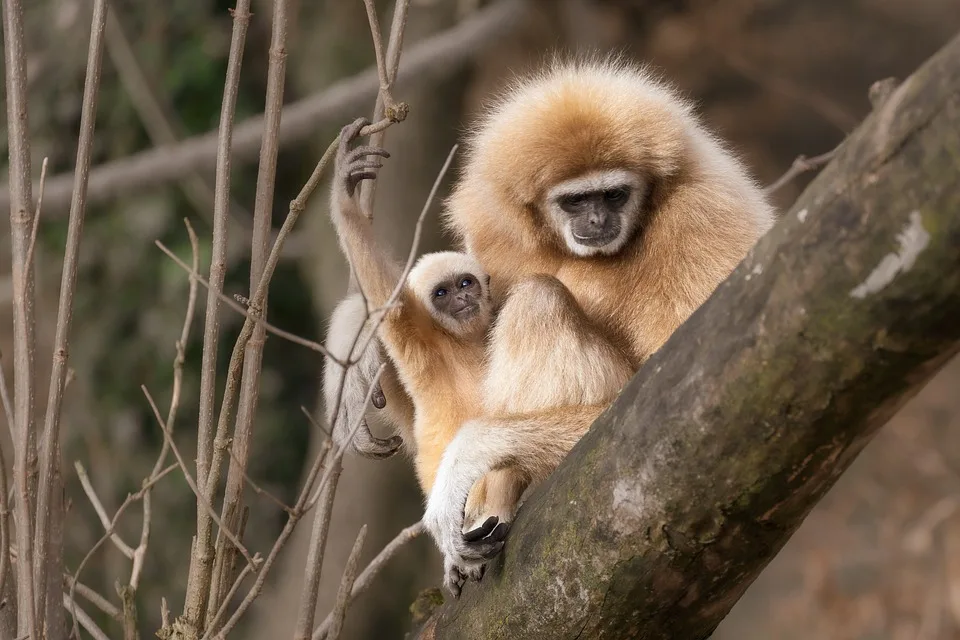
700 215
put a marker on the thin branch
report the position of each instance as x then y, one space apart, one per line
801 164
130 499
88 489
24 321
233 304
4 521
141 551
194 606
253 351
84 619
325 493
260 491
36 215
93 597
215 620
373 568
193 485
432 59
346 585
49 510
385 105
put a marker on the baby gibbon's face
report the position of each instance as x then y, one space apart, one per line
458 297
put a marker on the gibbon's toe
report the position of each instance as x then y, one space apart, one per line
482 531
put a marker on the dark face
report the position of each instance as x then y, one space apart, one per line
458 297
595 217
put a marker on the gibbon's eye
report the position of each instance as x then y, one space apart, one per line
574 199
466 282
615 195
440 292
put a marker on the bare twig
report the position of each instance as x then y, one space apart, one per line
201 564
346 585
325 493
24 323
260 491
230 302
130 499
49 508
36 215
4 521
387 72
281 541
93 597
193 485
253 351
366 577
88 489
141 551
84 619
215 620
800 165
433 58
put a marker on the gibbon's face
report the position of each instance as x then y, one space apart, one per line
599 212
458 297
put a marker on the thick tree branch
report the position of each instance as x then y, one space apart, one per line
434 58
677 498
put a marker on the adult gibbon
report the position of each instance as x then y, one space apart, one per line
601 176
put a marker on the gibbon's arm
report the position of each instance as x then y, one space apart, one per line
406 327
534 444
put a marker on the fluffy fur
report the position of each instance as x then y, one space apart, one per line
439 362
697 215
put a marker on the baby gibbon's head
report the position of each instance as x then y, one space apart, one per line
455 289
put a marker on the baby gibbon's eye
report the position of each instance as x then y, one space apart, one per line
466 282
615 195
440 292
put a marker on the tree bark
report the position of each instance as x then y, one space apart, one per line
667 510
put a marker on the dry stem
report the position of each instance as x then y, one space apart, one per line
801 164
366 578
201 563
346 585
24 323
253 352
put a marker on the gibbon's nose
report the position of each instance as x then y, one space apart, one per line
597 218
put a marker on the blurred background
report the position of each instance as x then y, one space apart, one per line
879 558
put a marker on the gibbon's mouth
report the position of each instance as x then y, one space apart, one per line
598 240
467 312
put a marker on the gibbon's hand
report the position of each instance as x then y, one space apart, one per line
353 166
464 554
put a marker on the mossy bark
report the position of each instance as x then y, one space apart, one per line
693 480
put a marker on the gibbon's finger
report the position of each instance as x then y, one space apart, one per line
369 446
453 580
357 176
360 152
348 134
377 398
482 531
371 164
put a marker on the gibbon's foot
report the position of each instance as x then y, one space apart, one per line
353 167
